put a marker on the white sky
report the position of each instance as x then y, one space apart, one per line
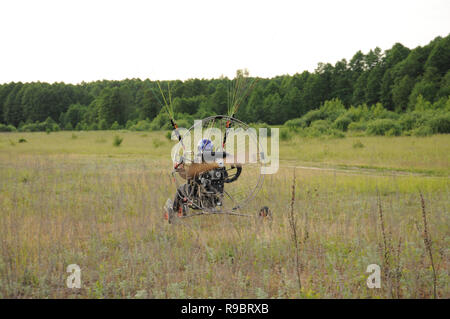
74 41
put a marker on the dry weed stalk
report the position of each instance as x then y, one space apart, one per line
386 246
398 270
294 235
427 242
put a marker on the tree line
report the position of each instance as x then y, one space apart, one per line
396 80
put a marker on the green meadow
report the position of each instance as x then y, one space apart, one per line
83 198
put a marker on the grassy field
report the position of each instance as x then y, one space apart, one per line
74 198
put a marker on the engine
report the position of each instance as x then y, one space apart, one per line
213 180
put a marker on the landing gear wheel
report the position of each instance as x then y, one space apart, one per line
169 214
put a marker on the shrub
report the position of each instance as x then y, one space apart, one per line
79 127
420 104
442 103
102 125
358 144
143 125
422 131
407 133
382 126
336 133
312 116
184 123
440 123
129 124
22 140
409 121
56 127
258 126
321 126
295 123
7 128
332 109
115 126
48 125
117 141
360 113
32 127
342 122
357 126
285 135
392 132
161 122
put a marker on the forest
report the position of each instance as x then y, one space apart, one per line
393 92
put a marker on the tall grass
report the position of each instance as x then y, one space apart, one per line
74 201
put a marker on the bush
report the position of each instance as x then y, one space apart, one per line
392 132
321 126
129 124
383 127
440 123
184 123
33 127
342 122
161 122
102 125
49 125
409 121
115 126
285 135
358 144
312 116
333 109
360 113
7 128
336 133
79 127
295 123
422 131
357 126
330 111
258 126
377 111
117 141
143 125
22 140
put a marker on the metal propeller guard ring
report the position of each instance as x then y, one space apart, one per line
238 204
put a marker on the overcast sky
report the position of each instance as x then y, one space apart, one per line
74 41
